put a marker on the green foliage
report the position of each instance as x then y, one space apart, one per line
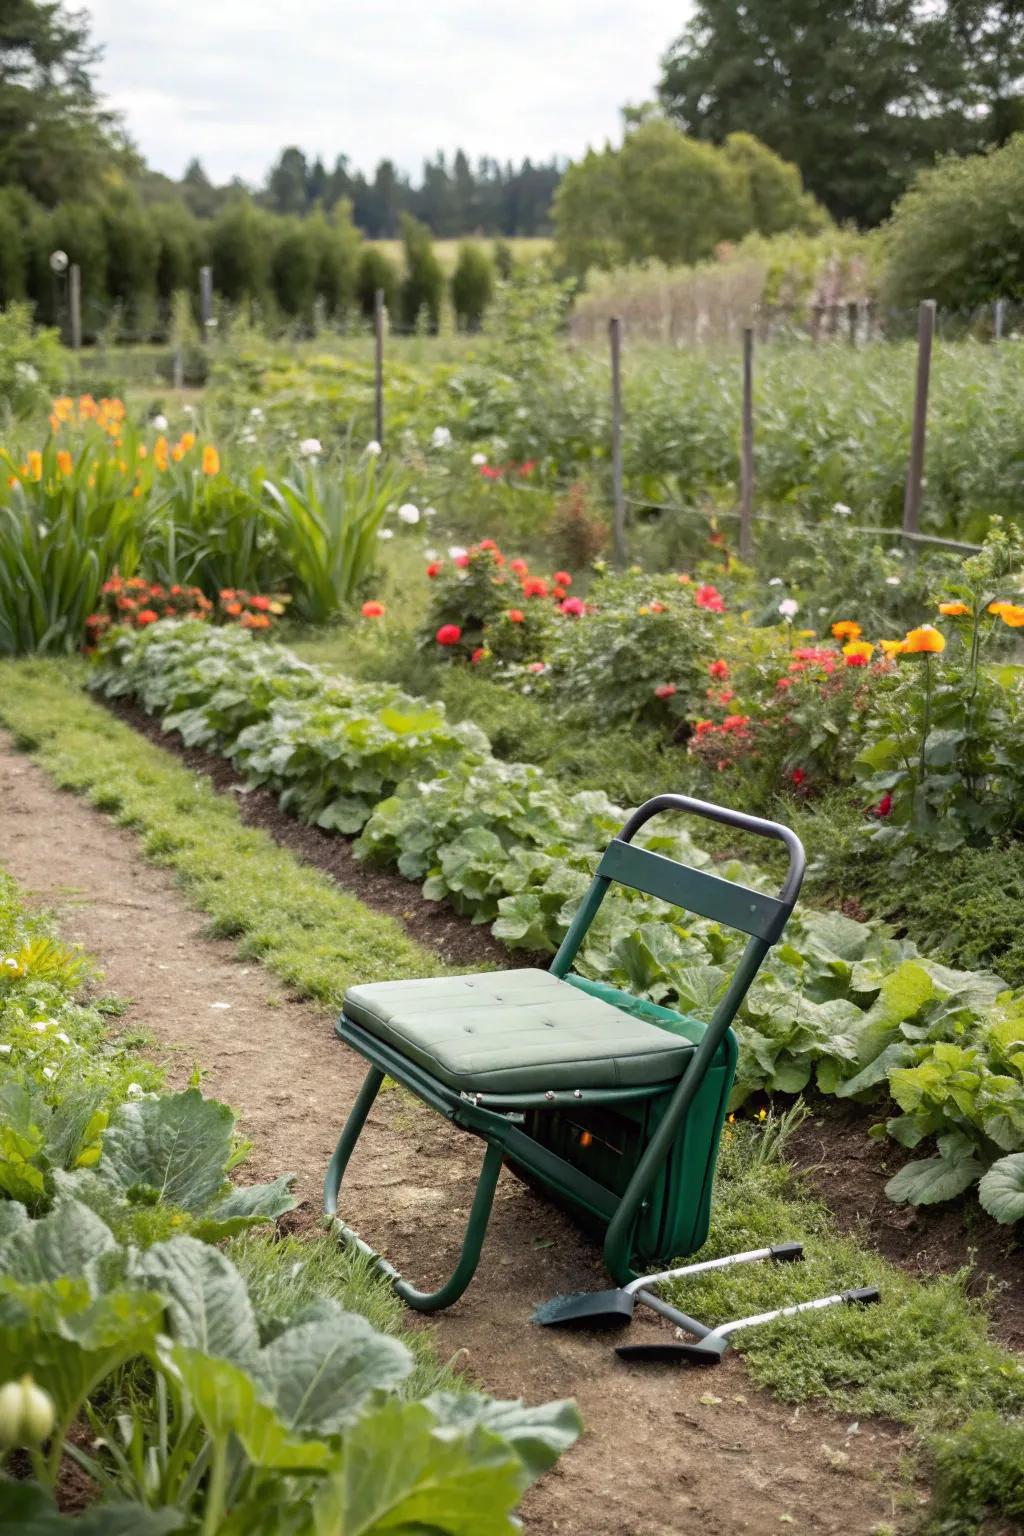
240 252
422 287
472 286
953 235
979 1478
376 270
31 365
294 270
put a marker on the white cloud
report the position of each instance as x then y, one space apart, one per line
233 81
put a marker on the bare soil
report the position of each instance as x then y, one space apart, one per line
665 1451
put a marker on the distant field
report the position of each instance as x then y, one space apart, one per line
524 249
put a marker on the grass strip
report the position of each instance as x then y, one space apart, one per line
312 935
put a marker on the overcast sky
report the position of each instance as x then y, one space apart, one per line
233 81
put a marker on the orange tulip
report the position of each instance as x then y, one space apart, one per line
35 464
65 463
160 453
187 442
925 641
211 460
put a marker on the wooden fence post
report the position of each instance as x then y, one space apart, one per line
997 321
853 320
618 495
205 300
378 364
915 469
75 305
747 451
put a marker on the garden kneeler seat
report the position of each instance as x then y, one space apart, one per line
613 1103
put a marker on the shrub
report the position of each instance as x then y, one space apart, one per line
472 286
423 285
31 363
956 236
374 271
294 269
979 1478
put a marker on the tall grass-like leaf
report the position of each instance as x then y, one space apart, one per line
326 522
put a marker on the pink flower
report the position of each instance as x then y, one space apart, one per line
573 606
537 666
710 598
665 690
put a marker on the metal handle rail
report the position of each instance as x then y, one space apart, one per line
764 923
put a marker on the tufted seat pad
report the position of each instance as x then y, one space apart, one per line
516 1032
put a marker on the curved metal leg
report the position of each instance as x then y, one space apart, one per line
476 1227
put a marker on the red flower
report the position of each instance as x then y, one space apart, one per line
656 607
735 722
719 669
528 467
784 683
488 544
573 606
884 806
462 561
516 615
146 616
490 472
126 604
855 660
535 586
563 578
709 597
478 655
558 593
261 604
664 690
434 568
449 634
798 776
726 696
372 610
520 567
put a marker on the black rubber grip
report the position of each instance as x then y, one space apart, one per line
861 1296
786 1253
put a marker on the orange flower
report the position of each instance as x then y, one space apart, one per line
187 441
35 464
65 463
1012 614
233 608
54 423
254 621
142 451
211 460
177 453
893 648
858 651
846 629
954 610
996 607
373 610
925 641
63 407
160 452
86 407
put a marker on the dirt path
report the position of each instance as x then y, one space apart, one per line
665 1452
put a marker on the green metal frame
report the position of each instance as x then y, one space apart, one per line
498 1119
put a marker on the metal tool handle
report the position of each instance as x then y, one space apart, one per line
727 817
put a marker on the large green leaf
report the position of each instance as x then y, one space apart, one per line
320 1373
930 1180
245 1206
227 1401
13 1217
67 1242
400 1472
537 1435
1001 1190
173 1148
26 1510
208 1306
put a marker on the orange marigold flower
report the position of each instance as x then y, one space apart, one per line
846 629
1012 614
858 653
65 463
373 610
211 460
892 648
997 607
954 610
926 641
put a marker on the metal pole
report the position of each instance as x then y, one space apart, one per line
618 496
75 300
1000 312
205 300
378 364
747 451
915 469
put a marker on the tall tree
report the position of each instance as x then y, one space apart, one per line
858 95
288 182
56 139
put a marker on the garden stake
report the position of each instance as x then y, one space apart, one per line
612 1103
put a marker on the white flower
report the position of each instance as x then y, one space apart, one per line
456 551
440 437
256 413
385 533
5 1050
62 1037
373 449
27 373
310 447
892 581
841 509
159 423
408 513
247 437
429 511
478 459
189 410
11 963
49 1072
776 581
789 608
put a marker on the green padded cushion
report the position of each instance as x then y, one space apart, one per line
516 1032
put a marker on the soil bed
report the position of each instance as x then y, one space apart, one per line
665 1452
